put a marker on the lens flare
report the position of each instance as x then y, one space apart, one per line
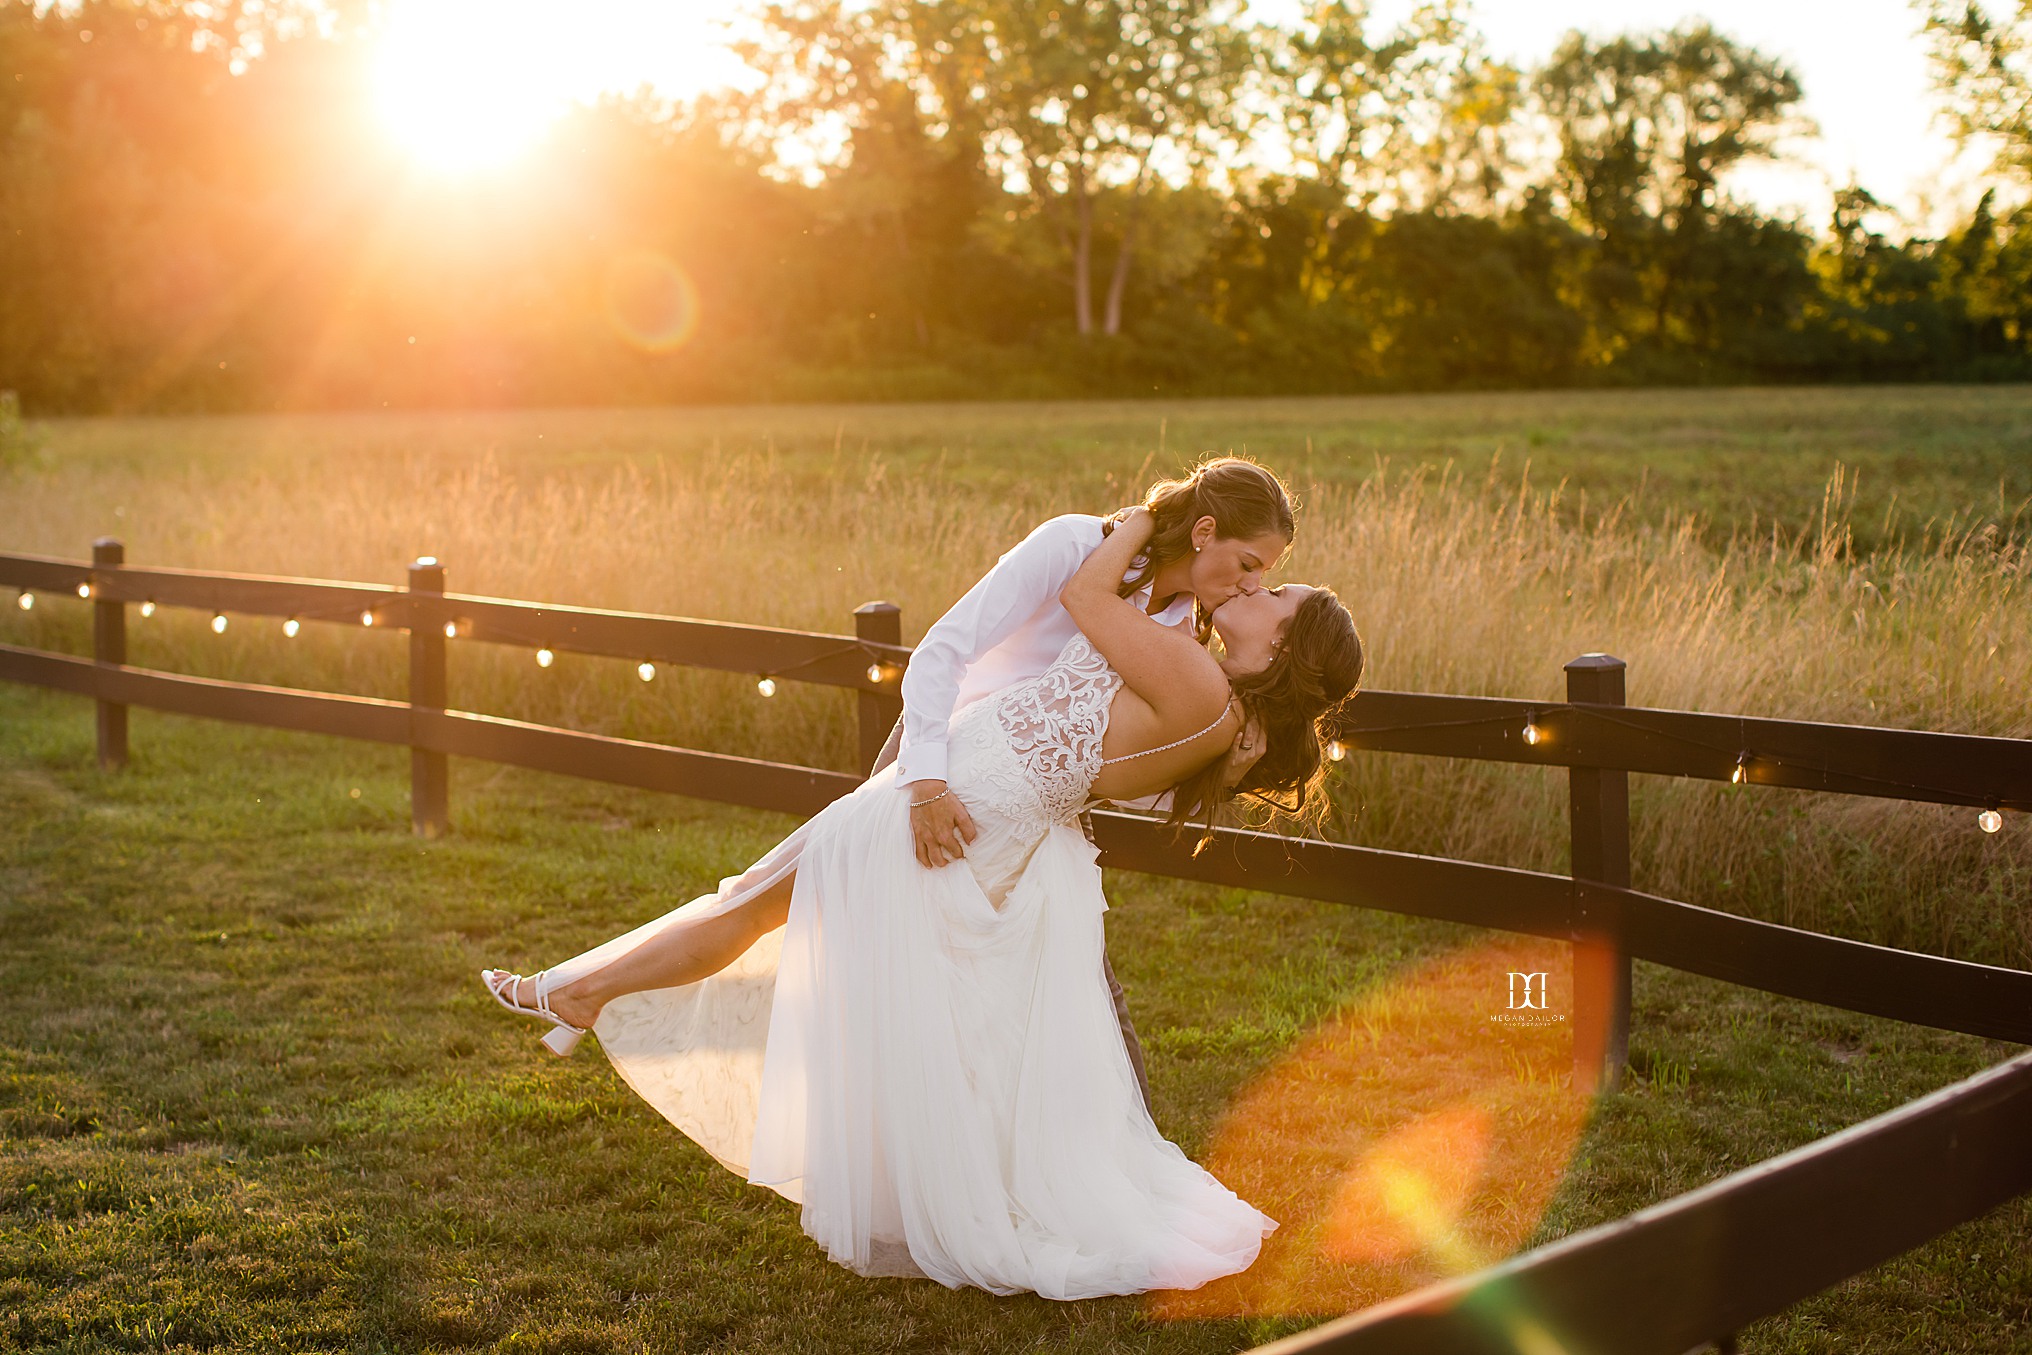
650 302
1408 1191
1416 1134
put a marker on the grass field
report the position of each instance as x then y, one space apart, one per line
252 1097
1727 568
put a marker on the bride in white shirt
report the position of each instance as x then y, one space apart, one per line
685 1005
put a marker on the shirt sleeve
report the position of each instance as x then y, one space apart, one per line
1031 574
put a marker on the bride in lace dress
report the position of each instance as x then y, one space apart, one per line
928 1060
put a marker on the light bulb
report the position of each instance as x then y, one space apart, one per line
291 627
767 686
451 630
218 623
1989 820
1533 735
544 658
1335 749
874 672
148 608
367 618
26 602
1742 771
645 670
84 590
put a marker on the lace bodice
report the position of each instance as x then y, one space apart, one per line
1032 751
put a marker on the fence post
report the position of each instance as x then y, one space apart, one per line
109 645
880 623
429 780
1600 809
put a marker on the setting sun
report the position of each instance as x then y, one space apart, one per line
464 85
469 85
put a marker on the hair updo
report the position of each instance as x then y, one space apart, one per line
1297 702
1243 498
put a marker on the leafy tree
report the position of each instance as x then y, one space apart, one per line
1416 119
1647 125
1982 66
1076 104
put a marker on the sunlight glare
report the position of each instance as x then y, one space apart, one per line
470 85
464 85
1417 1133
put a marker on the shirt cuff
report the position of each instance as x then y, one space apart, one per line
925 762
1159 803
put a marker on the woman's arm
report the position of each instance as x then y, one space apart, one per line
1027 577
1163 665
1024 579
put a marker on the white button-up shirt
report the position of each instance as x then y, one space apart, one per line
1008 627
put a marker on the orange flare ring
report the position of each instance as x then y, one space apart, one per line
1416 1134
650 301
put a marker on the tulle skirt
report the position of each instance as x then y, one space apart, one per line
929 1062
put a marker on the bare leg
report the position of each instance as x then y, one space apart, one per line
678 955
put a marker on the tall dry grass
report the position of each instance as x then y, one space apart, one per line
1461 584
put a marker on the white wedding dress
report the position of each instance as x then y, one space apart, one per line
927 1060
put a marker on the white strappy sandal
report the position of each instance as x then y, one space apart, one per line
507 987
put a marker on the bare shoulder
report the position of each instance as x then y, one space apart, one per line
1189 687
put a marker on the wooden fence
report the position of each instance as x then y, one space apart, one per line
1698 1267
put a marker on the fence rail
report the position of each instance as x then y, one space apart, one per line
1711 1261
1899 764
1939 768
1763 1238
1925 990
803 656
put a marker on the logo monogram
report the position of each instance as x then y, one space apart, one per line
1521 993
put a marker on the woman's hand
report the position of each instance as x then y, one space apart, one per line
1100 575
939 824
1242 755
1140 522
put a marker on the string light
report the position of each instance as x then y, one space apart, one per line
26 602
1335 749
646 671
291 627
1742 772
875 674
451 630
1533 735
148 608
84 590
367 618
766 686
544 658
1989 820
218 623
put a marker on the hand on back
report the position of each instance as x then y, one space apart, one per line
940 826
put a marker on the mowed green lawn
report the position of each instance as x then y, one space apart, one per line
253 1096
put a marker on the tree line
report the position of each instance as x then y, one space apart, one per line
1028 198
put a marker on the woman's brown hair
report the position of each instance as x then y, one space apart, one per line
1243 498
1296 702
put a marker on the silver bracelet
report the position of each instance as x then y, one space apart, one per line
919 804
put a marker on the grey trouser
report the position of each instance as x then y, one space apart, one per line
1130 1043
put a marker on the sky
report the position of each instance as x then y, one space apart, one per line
1861 63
